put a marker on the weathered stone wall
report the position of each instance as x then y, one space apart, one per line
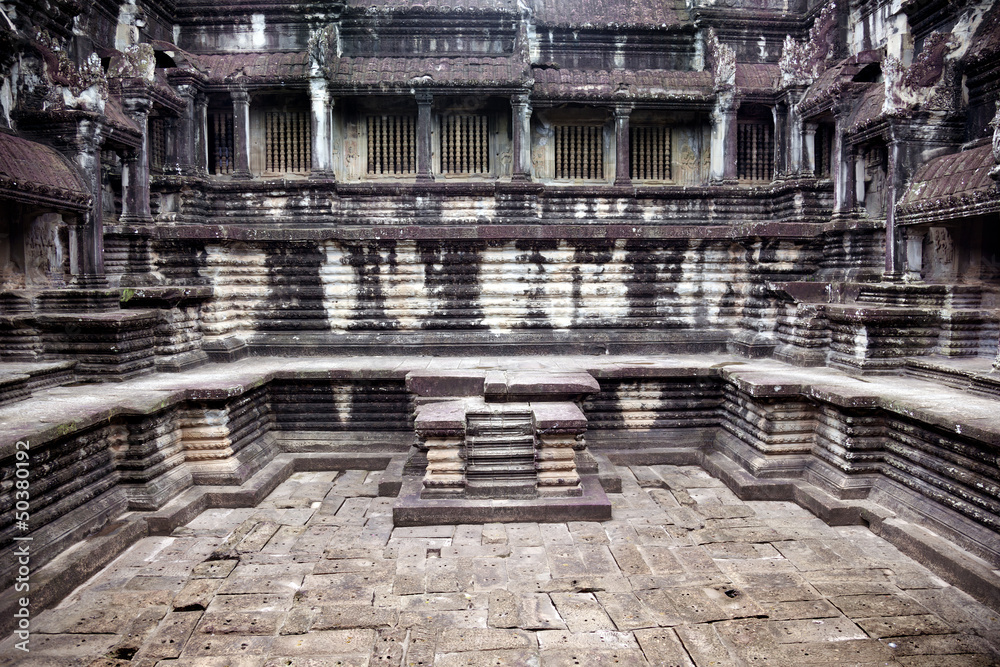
331 291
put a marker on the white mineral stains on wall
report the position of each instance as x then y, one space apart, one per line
407 300
566 285
517 282
510 286
708 273
239 276
466 209
340 287
639 404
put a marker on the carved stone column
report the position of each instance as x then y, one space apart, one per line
808 166
894 245
843 166
319 97
87 237
914 253
241 133
424 100
722 166
135 172
186 132
521 125
201 133
780 114
623 174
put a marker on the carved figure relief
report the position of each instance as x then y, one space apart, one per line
42 251
876 195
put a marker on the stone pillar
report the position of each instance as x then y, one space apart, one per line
424 100
440 428
135 171
843 166
185 133
200 128
319 97
858 164
894 245
914 253
779 113
722 166
521 126
241 133
808 165
87 237
623 174
559 429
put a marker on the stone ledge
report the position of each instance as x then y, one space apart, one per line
412 510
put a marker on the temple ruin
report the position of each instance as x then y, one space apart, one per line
515 256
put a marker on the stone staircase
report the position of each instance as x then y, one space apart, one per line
501 446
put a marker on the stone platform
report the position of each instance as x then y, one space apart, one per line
683 574
903 457
412 510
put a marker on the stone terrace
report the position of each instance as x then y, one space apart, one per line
685 573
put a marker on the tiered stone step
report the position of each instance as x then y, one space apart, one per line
500 446
18 380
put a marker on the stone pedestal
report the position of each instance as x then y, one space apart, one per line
488 437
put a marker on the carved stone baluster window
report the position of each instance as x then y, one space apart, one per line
824 150
221 154
755 150
392 144
650 150
287 142
157 142
579 152
465 144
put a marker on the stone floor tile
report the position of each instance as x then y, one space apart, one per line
815 630
661 647
240 623
582 612
629 559
528 563
900 626
538 613
556 534
467 535
601 640
591 658
961 660
466 618
627 611
501 658
877 605
786 611
169 638
348 616
241 661
704 646
494 533
943 644
325 643
454 640
524 535
214 569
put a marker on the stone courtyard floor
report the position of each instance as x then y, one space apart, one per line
317 575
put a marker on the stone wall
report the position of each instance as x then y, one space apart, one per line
919 462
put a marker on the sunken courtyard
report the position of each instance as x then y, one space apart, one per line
463 333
